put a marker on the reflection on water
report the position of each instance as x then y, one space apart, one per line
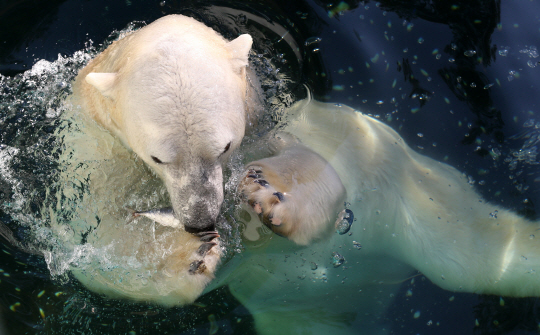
464 75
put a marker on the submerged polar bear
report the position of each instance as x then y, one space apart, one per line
176 93
146 92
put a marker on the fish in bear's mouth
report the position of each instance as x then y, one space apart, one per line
165 217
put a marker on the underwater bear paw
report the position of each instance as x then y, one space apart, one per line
267 201
200 250
199 266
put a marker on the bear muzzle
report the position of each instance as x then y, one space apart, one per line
197 204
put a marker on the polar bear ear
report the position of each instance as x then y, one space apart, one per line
239 48
103 82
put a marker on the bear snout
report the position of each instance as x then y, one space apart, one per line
198 207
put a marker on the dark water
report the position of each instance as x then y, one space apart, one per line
459 81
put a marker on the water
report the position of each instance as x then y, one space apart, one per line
359 54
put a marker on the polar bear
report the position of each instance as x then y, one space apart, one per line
145 91
175 93
410 212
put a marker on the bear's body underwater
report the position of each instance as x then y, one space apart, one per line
145 91
182 108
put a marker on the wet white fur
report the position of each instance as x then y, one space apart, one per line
135 259
145 90
418 210
412 212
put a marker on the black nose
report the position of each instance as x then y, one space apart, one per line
199 222
200 228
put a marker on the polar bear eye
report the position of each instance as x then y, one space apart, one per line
226 148
157 160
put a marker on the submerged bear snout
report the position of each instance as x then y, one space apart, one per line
197 203
196 230
199 223
199 219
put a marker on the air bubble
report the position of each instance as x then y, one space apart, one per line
343 227
312 40
337 259
345 224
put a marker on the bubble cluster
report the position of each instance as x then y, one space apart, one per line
337 259
345 224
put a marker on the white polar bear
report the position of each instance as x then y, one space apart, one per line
175 93
410 210
145 90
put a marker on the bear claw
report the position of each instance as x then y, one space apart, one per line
255 175
262 182
279 195
197 267
207 236
205 247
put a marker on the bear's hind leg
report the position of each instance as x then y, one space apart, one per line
297 193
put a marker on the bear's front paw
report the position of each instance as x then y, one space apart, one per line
266 198
296 194
195 258
198 266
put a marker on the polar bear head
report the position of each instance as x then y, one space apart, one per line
179 102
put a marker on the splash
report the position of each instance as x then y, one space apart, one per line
46 186
42 184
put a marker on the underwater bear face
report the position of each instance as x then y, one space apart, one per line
179 103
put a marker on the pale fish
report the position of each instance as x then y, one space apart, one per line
163 216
